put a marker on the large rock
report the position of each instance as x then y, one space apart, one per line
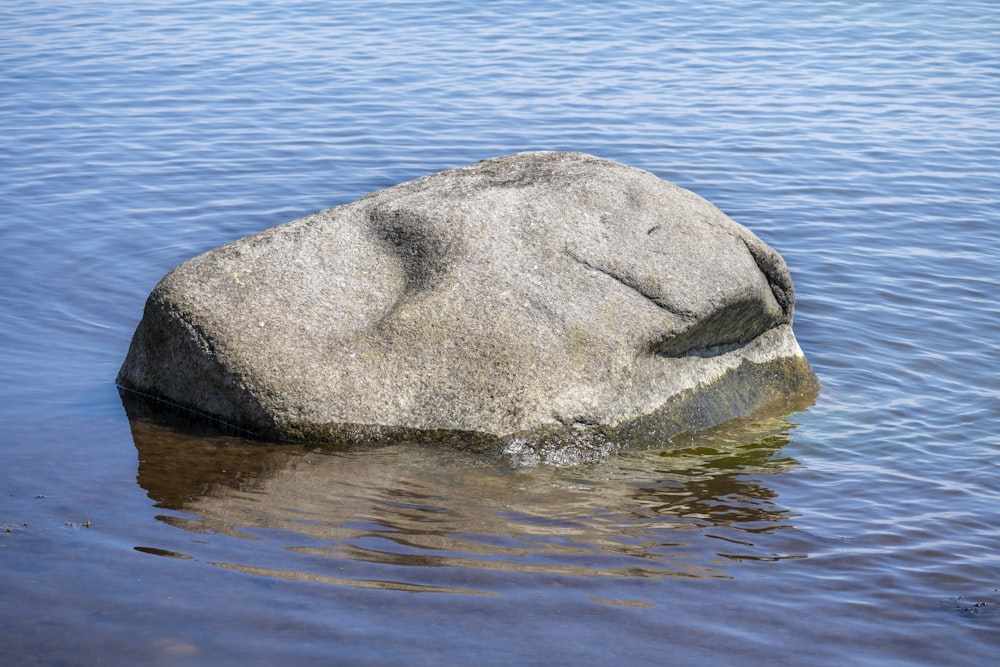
549 303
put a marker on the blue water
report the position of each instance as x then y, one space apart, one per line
860 139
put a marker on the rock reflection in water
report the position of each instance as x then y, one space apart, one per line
412 518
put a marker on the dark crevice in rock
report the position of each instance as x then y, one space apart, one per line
720 332
770 263
628 282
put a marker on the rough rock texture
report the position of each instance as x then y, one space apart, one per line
550 303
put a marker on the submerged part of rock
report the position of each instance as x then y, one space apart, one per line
551 304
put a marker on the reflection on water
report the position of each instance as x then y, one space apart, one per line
419 519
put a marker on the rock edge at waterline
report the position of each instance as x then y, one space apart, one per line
548 304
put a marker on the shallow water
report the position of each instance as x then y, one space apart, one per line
859 139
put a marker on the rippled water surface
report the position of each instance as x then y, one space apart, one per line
860 139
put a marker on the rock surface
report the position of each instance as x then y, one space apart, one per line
549 303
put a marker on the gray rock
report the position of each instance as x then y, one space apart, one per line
551 304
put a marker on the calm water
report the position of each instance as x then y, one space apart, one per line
861 139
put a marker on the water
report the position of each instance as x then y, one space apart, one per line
860 139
